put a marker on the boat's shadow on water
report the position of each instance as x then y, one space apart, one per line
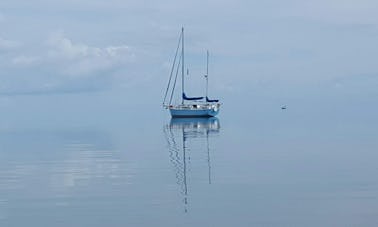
179 133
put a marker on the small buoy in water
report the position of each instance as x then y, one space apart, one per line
283 108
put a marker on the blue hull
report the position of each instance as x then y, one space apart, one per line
193 113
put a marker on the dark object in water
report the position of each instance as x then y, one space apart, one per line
283 108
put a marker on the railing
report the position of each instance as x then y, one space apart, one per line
204 106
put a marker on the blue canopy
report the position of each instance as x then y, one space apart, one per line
211 100
190 98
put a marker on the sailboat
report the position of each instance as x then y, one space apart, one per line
190 106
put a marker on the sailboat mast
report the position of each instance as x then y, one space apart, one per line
182 64
207 73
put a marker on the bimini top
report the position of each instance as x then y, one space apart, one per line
211 100
190 98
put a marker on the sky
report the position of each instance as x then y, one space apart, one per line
257 48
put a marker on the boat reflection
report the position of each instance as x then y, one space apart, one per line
179 133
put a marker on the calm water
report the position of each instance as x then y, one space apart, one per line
119 167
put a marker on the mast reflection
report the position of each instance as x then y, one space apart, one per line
178 134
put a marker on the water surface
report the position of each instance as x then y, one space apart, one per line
118 166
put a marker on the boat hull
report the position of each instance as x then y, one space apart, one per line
180 112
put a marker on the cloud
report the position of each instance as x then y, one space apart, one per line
65 48
82 59
62 65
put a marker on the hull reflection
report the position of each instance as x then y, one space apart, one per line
198 124
179 133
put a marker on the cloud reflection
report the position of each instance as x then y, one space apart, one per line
60 163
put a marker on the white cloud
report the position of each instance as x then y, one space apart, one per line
62 66
82 59
64 47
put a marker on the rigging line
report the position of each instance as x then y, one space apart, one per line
174 84
172 69
183 65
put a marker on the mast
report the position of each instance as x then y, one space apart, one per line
182 64
207 73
